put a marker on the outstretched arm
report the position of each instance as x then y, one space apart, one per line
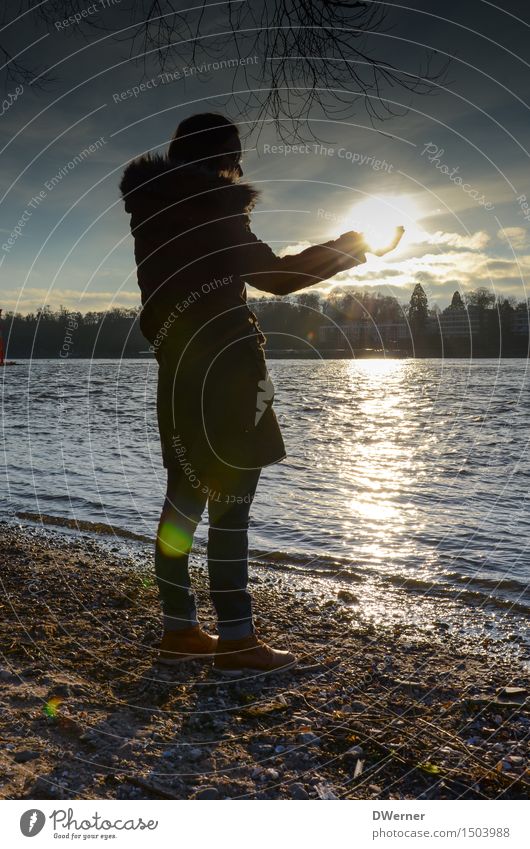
261 268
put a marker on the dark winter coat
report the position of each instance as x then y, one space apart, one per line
194 252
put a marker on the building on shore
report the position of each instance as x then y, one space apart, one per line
520 321
454 322
365 333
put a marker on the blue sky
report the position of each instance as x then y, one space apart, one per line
74 247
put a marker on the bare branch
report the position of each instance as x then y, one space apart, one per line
315 57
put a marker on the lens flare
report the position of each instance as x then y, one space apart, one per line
173 540
51 708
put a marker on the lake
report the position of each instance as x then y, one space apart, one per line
415 471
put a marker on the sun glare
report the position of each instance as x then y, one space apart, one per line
378 217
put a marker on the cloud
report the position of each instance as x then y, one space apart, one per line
442 261
516 237
294 249
475 242
463 262
30 299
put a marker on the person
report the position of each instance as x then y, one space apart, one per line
195 252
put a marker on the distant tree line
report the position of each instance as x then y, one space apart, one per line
67 334
492 326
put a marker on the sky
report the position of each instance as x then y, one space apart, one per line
452 167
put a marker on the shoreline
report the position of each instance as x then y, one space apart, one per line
373 711
494 609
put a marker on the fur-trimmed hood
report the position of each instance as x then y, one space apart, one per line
191 187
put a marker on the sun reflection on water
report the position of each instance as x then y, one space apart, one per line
379 473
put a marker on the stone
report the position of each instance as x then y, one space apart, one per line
410 685
513 694
355 752
271 773
309 738
359 767
347 596
24 756
326 792
299 792
261 748
207 793
354 707
7 677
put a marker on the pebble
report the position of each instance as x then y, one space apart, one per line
347 596
261 748
61 690
271 773
26 755
325 791
207 793
194 754
515 694
299 792
354 707
355 752
7 677
309 737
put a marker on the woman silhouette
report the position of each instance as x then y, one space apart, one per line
194 252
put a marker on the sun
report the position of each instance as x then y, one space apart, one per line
377 218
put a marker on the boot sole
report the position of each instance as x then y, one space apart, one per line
176 661
240 673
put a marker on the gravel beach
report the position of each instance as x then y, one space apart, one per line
370 712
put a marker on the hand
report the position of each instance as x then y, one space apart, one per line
393 244
352 243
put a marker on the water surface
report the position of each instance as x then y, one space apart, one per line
412 470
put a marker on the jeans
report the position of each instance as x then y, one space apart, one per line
229 497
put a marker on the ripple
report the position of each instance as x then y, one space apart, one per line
413 471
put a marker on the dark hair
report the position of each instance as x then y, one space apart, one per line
204 135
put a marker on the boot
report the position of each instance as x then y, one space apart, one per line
234 658
187 644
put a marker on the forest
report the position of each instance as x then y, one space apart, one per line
303 325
